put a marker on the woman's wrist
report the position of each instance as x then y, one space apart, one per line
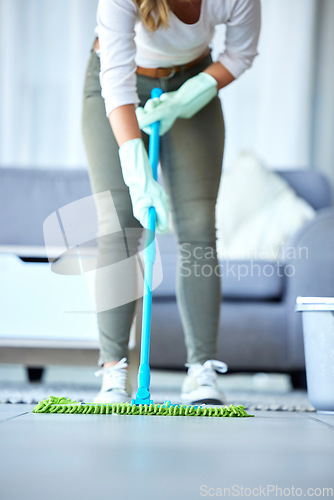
124 123
220 74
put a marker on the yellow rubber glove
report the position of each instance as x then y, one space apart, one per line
145 192
185 102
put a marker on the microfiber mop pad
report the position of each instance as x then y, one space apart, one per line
62 405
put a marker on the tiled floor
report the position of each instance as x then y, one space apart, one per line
69 457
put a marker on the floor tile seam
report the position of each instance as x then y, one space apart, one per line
15 416
331 426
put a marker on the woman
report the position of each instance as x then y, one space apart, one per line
142 44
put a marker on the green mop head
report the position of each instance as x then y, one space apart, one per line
62 405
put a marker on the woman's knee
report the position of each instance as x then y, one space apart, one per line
114 215
119 239
194 221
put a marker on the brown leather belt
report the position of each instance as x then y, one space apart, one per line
163 72
171 71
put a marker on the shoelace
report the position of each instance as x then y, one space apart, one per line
117 373
206 373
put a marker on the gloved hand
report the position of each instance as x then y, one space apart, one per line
185 102
145 192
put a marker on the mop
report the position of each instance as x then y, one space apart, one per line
142 404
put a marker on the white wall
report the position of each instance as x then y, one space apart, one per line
269 109
323 97
44 49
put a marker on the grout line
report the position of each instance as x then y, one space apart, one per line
331 426
15 416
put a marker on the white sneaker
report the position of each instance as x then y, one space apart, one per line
199 386
116 387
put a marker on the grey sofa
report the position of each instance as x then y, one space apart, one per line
259 330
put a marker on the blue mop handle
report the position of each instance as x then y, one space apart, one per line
154 147
144 376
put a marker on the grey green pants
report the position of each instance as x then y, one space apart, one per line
191 162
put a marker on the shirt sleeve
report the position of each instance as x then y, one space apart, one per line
115 29
242 34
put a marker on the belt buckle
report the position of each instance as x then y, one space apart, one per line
171 74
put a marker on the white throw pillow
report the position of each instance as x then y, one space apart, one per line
257 212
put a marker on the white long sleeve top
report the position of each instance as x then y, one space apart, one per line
125 43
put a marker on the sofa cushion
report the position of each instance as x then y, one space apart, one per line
311 185
241 279
252 279
29 196
258 212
